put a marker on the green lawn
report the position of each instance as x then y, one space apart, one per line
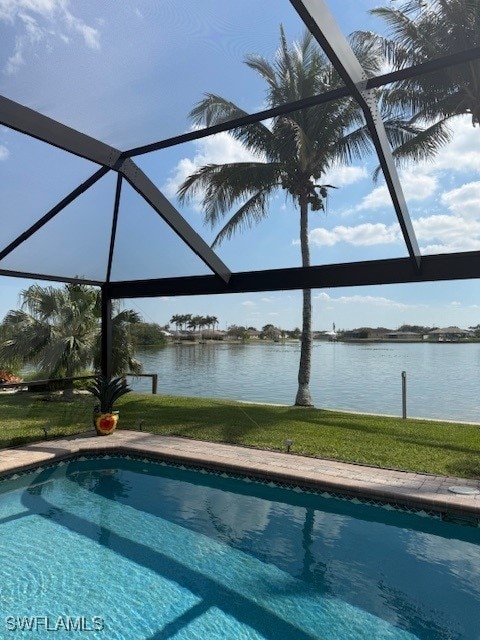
418 445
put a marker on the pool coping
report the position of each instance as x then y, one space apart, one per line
404 489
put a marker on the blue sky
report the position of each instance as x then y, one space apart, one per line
128 73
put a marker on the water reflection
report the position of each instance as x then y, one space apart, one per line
415 580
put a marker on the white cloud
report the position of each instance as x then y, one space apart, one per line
342 176
91 36
461 154
366 234
457 230
42 21
417 186
4 152
322 296
376 199
422 181
448 233
248 303
267 299
464 201
376 301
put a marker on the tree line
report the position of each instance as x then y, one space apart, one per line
193 322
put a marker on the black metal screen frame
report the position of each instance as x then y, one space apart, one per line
319 20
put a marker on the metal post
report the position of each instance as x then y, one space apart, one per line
106 340
154 383
404 395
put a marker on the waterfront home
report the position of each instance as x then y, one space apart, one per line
448 334
403 336
214 334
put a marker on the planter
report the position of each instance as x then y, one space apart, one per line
106 391
105 423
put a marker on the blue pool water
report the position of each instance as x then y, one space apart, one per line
150 551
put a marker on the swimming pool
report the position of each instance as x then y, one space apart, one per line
118 548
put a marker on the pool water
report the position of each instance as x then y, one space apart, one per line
132 550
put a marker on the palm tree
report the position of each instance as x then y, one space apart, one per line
58 330
421 31
55 329
123 360
192 323
202 323
295 152
176 320
211 321
185 320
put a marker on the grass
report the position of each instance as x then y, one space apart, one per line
417 445
25 416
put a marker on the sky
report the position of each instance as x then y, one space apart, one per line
128 74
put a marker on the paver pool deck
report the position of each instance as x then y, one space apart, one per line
406 489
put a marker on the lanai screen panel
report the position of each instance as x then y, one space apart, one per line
146 247
75 242
34 178
358 222
128 74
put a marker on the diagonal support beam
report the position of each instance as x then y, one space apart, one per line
155 198
113 233
36 125
319 20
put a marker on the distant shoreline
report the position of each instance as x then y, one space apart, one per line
297 341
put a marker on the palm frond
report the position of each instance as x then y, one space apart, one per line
419 32
222 186
251 212
214 109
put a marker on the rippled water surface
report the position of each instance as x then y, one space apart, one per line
157 552
442 379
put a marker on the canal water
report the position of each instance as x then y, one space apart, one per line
442 379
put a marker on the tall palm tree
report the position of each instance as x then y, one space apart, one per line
294 153
192 323
58 330
420 31
185 320
176 320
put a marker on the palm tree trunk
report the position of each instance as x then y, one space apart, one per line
304 399
68 388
